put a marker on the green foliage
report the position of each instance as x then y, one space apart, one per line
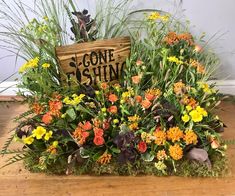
16 158
7 144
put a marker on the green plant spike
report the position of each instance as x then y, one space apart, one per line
23 115
7 144
16 158
229 142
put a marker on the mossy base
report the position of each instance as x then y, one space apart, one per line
184 168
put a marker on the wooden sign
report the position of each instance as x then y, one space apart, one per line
91 62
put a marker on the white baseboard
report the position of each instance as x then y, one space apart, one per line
8 88
224 86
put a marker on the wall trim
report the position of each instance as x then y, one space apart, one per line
224 86
8 88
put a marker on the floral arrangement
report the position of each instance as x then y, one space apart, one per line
158 119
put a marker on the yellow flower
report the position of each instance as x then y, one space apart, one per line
32 63
185 118
176 152
133 126
39 132
143 135
160 165
128 94
46 65
174 59
28 140
196 116
55 144
174 134
103 109
202 111
48 135
146 137
154 16
45 18
134 118
206 88
75 101
165 18
189 108
115 121
190 137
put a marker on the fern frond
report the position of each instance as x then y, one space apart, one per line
16 158
23 115
229 142
15 151
7 144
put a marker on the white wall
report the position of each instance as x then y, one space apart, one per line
208 16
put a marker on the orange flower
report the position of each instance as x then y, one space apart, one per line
190 137
55 107
47 118
81 135
185 100
138 99
104 85
186 37
201 69
98 132
160 137
192 102
171 38
86 126
149 96
113 109
98 141
106 125
139 63
113 98
105 158
215 144
176 152
179 88
146 104
37 108
198 48
152 94
96 122
161 155
56 96
175 134
133 126
136 79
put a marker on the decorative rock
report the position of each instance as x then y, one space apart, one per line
199 155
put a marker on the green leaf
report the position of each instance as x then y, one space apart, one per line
115 150
71 113
147 157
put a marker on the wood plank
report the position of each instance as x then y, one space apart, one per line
91 62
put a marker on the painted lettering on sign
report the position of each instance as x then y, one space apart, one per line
92 62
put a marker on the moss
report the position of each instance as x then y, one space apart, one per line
183 168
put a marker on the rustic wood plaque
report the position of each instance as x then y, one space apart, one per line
92 62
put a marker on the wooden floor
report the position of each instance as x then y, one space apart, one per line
15 180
